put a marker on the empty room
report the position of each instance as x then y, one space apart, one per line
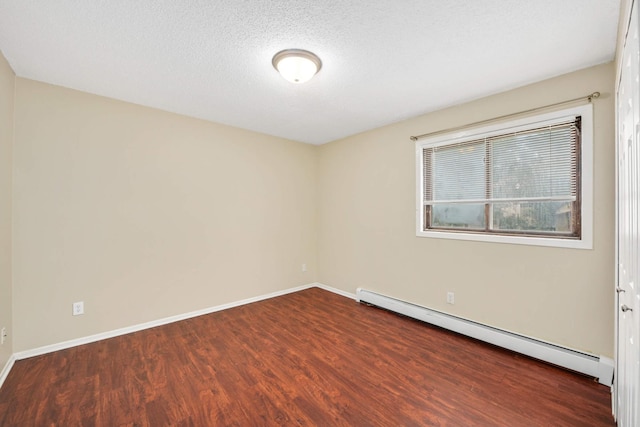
319 213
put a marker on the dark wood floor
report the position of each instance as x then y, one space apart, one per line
310 358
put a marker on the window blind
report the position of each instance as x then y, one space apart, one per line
534 165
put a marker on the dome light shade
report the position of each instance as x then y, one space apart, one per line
296 65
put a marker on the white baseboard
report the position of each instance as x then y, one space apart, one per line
152 324
7 367
336 291
596 366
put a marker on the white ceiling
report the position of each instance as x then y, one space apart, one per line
383 60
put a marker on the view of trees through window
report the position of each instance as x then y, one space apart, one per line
524 182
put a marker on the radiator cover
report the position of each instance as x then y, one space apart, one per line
595 366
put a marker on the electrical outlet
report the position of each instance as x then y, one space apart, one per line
3 335
304 267
78 308
450 298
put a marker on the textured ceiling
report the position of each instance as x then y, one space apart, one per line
383 60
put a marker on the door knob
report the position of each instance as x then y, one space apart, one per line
618 290
625 308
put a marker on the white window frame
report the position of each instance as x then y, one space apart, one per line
586 186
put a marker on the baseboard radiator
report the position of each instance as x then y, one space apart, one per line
588 364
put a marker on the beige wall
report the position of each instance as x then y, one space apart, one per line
366 234
144 214
7 89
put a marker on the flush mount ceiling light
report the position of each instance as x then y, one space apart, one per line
296 65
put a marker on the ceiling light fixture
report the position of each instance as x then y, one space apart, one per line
296 65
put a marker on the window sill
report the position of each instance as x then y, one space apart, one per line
514 240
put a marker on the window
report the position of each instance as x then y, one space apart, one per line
527 181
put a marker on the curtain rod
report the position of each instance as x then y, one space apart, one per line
589 98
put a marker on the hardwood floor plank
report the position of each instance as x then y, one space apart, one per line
304 359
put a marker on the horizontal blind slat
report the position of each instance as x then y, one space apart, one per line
503 200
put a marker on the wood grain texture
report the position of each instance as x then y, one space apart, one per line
311 358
